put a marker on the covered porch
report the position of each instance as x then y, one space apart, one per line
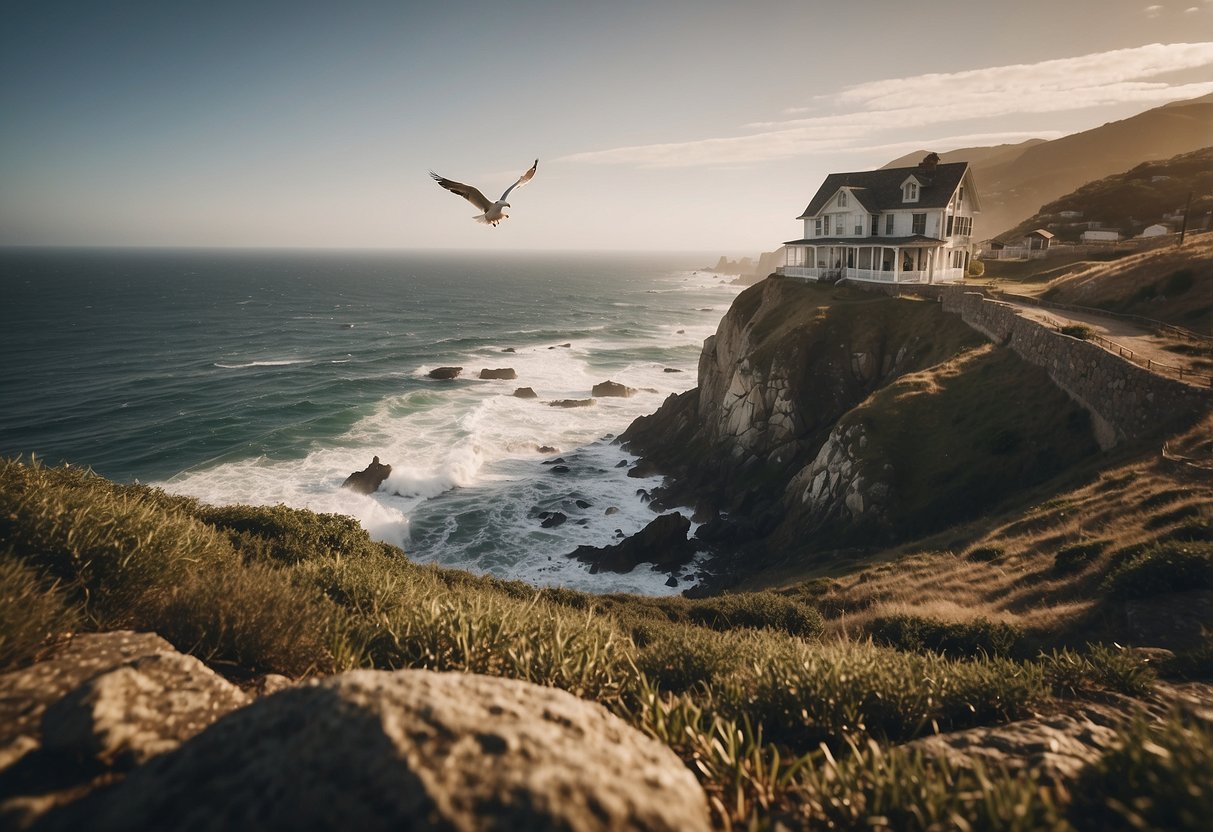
875 260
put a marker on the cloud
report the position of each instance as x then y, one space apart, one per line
1152 11
855 117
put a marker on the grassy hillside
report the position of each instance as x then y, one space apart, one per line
1129 202
1169 284
779 724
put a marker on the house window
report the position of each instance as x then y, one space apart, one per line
842 199
950 223
859 225
960 197
910 192
817 227
875 225
920 224
888 225
838 225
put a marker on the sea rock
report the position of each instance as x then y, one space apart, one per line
546 449
408 749
623 463
583 503
368 480
509 349
149 705
445 372
571 403
611 388
500 373
611 510
560 469
671 370
552 519
525 393
662 543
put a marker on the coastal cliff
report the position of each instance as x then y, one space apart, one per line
829 417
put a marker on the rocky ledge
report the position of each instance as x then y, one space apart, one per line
119 731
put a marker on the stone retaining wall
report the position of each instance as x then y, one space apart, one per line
1126 402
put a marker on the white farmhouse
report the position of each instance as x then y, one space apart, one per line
1097 236
895 225
1156 230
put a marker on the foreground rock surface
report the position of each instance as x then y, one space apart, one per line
407 750
102 704
368 480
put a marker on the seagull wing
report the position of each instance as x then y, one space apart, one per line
522 180
469 193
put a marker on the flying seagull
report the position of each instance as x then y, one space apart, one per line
492 210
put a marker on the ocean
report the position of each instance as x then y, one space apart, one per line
267 377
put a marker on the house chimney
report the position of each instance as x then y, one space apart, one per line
929 162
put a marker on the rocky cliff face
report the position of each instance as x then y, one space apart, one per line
815 405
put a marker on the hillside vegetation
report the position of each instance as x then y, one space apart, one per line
1013 181
1131 201
1170 284
779 724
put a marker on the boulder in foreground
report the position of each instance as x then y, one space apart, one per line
408 749
368 480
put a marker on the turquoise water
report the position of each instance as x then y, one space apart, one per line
269 376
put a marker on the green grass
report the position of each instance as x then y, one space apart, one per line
778 725
1170 566
951 638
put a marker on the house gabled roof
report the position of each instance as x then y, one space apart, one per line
882 188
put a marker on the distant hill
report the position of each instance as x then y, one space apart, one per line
1151 193
1014 181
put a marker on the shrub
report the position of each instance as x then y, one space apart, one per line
678 657
1160 778
256 618
1179 282
952 638
1073 674
1171 566
984 554
1079 331
976 268
288 535
757 610
1076 556
31 612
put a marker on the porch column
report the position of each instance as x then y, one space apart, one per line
897 264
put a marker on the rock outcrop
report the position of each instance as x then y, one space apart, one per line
525 393
500 373
405 750
102 704
568 403
368 480
818 406
445 373
612 388
663 543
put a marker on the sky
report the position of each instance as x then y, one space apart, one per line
685 125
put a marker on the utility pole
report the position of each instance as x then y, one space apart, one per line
1183 229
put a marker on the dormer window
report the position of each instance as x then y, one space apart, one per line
960 197
909 191
842 199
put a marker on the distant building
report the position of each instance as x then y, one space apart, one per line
896 225
1070 215
1156 230
1038 240
1100 237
